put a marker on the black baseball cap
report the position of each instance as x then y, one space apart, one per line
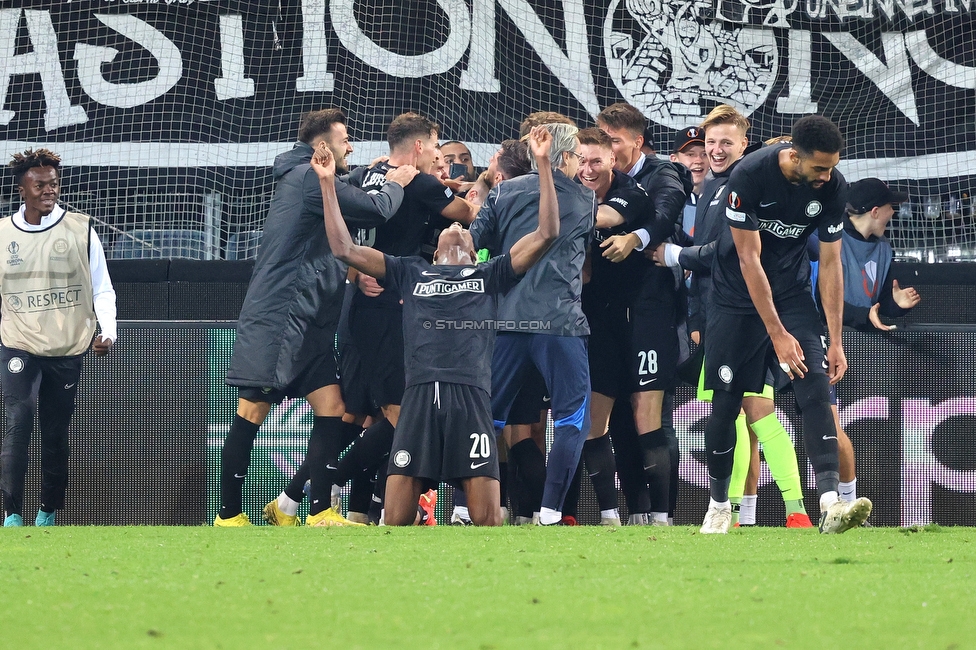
691 135
869 193
649 139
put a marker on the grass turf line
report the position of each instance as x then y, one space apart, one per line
514 587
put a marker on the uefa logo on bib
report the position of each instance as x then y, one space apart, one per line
402 458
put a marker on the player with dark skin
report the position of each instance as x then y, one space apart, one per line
55 290
40 191
454 248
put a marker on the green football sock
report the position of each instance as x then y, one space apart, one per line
740 465
781 458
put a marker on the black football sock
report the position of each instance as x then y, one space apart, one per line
720 437
598 455
323 456
295 490
367 452
350 432
657 467
819 432
531 464
360 494
235 457
503 483
674 451
627 454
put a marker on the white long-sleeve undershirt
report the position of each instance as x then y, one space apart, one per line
103 293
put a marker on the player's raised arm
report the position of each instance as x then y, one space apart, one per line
363 258
527 250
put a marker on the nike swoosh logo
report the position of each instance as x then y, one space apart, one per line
327 466
766 205
473 466
830 437
645 382
647 467
428 273
720 453
240 475
546 399
69 386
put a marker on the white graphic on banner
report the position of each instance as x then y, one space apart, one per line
679 62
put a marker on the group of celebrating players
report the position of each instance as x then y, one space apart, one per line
434 324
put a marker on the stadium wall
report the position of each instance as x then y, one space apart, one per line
196 290
151 418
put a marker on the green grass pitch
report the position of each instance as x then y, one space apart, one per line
512 587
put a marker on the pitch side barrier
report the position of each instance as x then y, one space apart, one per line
152 416
164 289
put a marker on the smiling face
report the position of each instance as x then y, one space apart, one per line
596 167
813 169
724 144
337 140
694 159
39 189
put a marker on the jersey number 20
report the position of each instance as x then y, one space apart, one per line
480 442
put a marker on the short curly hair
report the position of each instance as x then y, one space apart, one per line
816 133
21 163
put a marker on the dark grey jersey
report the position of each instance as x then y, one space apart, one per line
547 301
449 317
759 197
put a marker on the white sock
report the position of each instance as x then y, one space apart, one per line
505 514
462 512
723 505
612 513
848 491
747 510
382 521
286 505
828 499
658 516
548 516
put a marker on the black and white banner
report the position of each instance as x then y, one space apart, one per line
184 83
